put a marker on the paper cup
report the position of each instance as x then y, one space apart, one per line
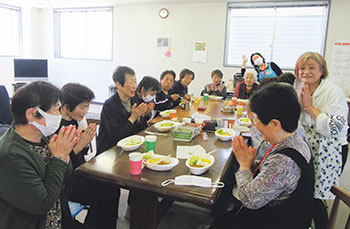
150 143
135 163
172 115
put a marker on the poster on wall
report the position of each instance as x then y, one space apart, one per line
340 65
200 52
163 42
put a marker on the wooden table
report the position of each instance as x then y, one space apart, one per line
112 167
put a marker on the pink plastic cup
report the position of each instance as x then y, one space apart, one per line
135 163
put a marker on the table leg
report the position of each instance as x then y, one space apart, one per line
143 210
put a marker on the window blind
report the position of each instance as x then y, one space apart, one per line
280 32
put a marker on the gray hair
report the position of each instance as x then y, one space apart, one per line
253 72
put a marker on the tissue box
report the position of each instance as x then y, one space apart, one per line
183 134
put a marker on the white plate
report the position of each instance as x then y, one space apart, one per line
122 143
161 128
155 167
225 137
200 170
242 123
165 114
214 97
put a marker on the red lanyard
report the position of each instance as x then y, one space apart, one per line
256 169
264 72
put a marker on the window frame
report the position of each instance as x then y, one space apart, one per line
20 30
255 5
57 41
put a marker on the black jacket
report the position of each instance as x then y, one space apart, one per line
177 88
163 102
115 124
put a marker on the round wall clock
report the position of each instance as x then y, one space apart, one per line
163 13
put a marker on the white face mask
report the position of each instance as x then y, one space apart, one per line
148 98
194 181
52 123
258 61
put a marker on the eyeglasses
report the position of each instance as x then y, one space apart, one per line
254 119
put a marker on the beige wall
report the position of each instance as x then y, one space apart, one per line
135 31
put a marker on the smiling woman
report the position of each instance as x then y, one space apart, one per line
103 203
324 118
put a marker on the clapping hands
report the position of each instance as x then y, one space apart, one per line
245 155
85 138
61 144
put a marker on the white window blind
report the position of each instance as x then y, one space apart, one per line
11 31
281 33
84 33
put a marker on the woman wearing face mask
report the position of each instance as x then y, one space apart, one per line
102 199
265 70
246 88
216 87
164 100
33 168
324 118
145 92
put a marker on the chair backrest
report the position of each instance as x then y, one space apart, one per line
339 195
237 78
5 111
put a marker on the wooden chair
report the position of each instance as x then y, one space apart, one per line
339 195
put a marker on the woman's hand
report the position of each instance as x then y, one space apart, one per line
150 107
85 138
174 97
245 155
137 111
61 144
306 102
187 96
213 87
305 97
244 61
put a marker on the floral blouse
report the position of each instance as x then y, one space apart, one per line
278 177
54 216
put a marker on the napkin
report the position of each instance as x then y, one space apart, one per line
200 116
184 152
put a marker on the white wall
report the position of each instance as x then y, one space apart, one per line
135 31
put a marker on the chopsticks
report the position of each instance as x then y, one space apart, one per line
155 133
211 151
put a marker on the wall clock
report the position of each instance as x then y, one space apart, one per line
163 13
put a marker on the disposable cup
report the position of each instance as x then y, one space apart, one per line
150 143
239 111
172 114
135 163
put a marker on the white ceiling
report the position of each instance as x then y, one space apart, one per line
86 3
71 3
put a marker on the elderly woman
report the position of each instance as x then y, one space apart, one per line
246 88
164 100
33 168
277 193
324 117
102 199
217 87
180 87
263 68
